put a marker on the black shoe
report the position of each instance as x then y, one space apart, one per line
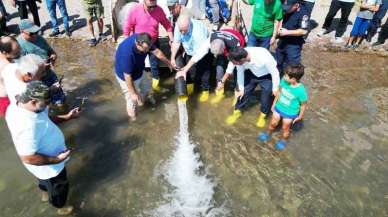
101 37
54 33
377 43
68 34
92 42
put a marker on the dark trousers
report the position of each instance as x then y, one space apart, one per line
57 96
57 188
335 6
255 41
250 83
376 21
200 72
23 13
3 18
154 62
287 54
221 64
309 7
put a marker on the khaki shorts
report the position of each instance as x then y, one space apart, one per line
94 10
142 85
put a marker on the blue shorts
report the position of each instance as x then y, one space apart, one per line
360 27
284 115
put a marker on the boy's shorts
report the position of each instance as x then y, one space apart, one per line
94 10
4 103
284 115
360 27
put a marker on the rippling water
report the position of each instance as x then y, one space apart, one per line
335 166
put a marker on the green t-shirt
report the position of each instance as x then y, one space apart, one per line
264 16
39 47
291 98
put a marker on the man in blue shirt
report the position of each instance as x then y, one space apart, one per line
129 67
32 43
191 34
295 26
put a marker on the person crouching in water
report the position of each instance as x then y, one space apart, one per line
289 104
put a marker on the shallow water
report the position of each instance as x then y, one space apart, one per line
335 166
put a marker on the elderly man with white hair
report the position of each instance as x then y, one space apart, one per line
191 34
219 43
17 75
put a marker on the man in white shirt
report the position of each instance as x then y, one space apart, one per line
40 144
255 66
16 75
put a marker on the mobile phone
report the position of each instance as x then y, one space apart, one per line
60 79
81 106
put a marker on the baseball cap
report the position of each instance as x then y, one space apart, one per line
35 90
28 26
172 2
289 3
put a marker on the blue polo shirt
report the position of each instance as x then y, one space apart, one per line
194 38
297 20
129 60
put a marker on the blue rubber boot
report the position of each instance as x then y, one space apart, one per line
263 137
280 145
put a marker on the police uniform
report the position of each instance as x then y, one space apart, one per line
289 49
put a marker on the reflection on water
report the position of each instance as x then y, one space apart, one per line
335 166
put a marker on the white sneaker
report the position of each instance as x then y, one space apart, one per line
322 32
338 40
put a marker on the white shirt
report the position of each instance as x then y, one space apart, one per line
261 63
13 85
34 133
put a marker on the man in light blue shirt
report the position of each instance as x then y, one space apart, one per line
191 34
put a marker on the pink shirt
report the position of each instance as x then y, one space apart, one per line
140 20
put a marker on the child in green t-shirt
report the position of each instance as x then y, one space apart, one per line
289 104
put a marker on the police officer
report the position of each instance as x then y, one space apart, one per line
291 35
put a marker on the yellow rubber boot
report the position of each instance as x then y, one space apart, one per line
204 96
190 89
234 102
231 119
155 85
183 98
219 96
261 120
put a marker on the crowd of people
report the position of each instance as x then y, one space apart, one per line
29 86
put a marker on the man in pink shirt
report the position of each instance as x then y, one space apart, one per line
146 18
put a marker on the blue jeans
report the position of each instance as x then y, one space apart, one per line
51 7
255 41
376 21
287 54
309 7
250 83
154 63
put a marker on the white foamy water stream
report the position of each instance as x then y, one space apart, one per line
191 192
